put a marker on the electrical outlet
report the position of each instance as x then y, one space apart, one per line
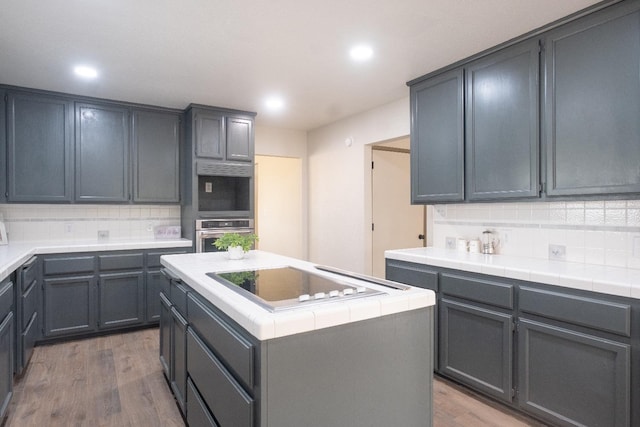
450 242
68 228
149 226
103 234
557 252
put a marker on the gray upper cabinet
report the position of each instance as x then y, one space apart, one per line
501 130
209 134
3 148
437 139
156 148
102 153
592 104
239 139
40 138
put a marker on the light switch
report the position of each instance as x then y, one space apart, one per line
208 187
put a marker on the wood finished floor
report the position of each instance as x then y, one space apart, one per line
117 380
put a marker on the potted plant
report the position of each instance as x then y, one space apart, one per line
235 243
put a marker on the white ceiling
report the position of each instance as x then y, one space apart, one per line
233 53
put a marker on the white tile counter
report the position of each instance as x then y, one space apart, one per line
598 278
15 254
192 269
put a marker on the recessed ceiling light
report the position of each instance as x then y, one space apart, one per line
85 72
361 52
274 103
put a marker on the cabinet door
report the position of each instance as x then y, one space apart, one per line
3 147
592 105
69 305
6 362
165 336
121 299
501 131
156 145
40 137
102 153
239 139
476 347
210 135
572 378
437 139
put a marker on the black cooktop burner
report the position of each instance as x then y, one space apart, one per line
289 287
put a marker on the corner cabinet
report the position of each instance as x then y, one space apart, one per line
40 148
437 139
501 130
156 156
102 153
592 104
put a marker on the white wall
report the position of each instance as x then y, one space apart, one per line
339 202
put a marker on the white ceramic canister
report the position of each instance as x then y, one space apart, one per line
474 246
462 245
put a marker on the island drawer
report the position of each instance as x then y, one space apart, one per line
121 261
69 265
153 258
197 412
230 347
178 294
487 291
593 313
412 274
228 402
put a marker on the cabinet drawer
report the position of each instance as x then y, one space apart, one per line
590 312
6 298
179 297
29 273
69 265
412 274
230 404
29 302
29 338
197 412
153 258
234 350
121 261
481 290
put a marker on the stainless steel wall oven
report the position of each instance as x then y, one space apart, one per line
209 230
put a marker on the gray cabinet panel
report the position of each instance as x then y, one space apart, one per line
3 147
156 156
102 153
570 378
485 290
210 136
592 105
121 299
179 358
501 131
476 347
437 139
239 139
6 362
29 337
412 274
121 261
69 305
40 138
197 412
165 336
153 286
69 264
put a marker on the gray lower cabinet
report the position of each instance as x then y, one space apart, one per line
102 153
592 104
121 299
69 305
7 349
565 356
165 335
156 156
40 148
27 320
476 333
501 124
437 139
199 414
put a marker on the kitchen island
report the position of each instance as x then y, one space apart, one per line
347 361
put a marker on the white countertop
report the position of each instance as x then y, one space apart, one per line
598 278
15 254
263 324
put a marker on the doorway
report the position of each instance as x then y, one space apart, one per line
278 205
396 223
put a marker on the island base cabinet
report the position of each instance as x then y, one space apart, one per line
476 347
197 413
165 336
571 378
178 358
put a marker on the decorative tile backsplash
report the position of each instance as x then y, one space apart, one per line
82 222
593 232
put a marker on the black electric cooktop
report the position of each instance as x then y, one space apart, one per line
288 287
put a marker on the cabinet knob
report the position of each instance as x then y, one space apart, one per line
421 236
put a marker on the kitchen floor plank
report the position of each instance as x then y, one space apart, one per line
117 381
